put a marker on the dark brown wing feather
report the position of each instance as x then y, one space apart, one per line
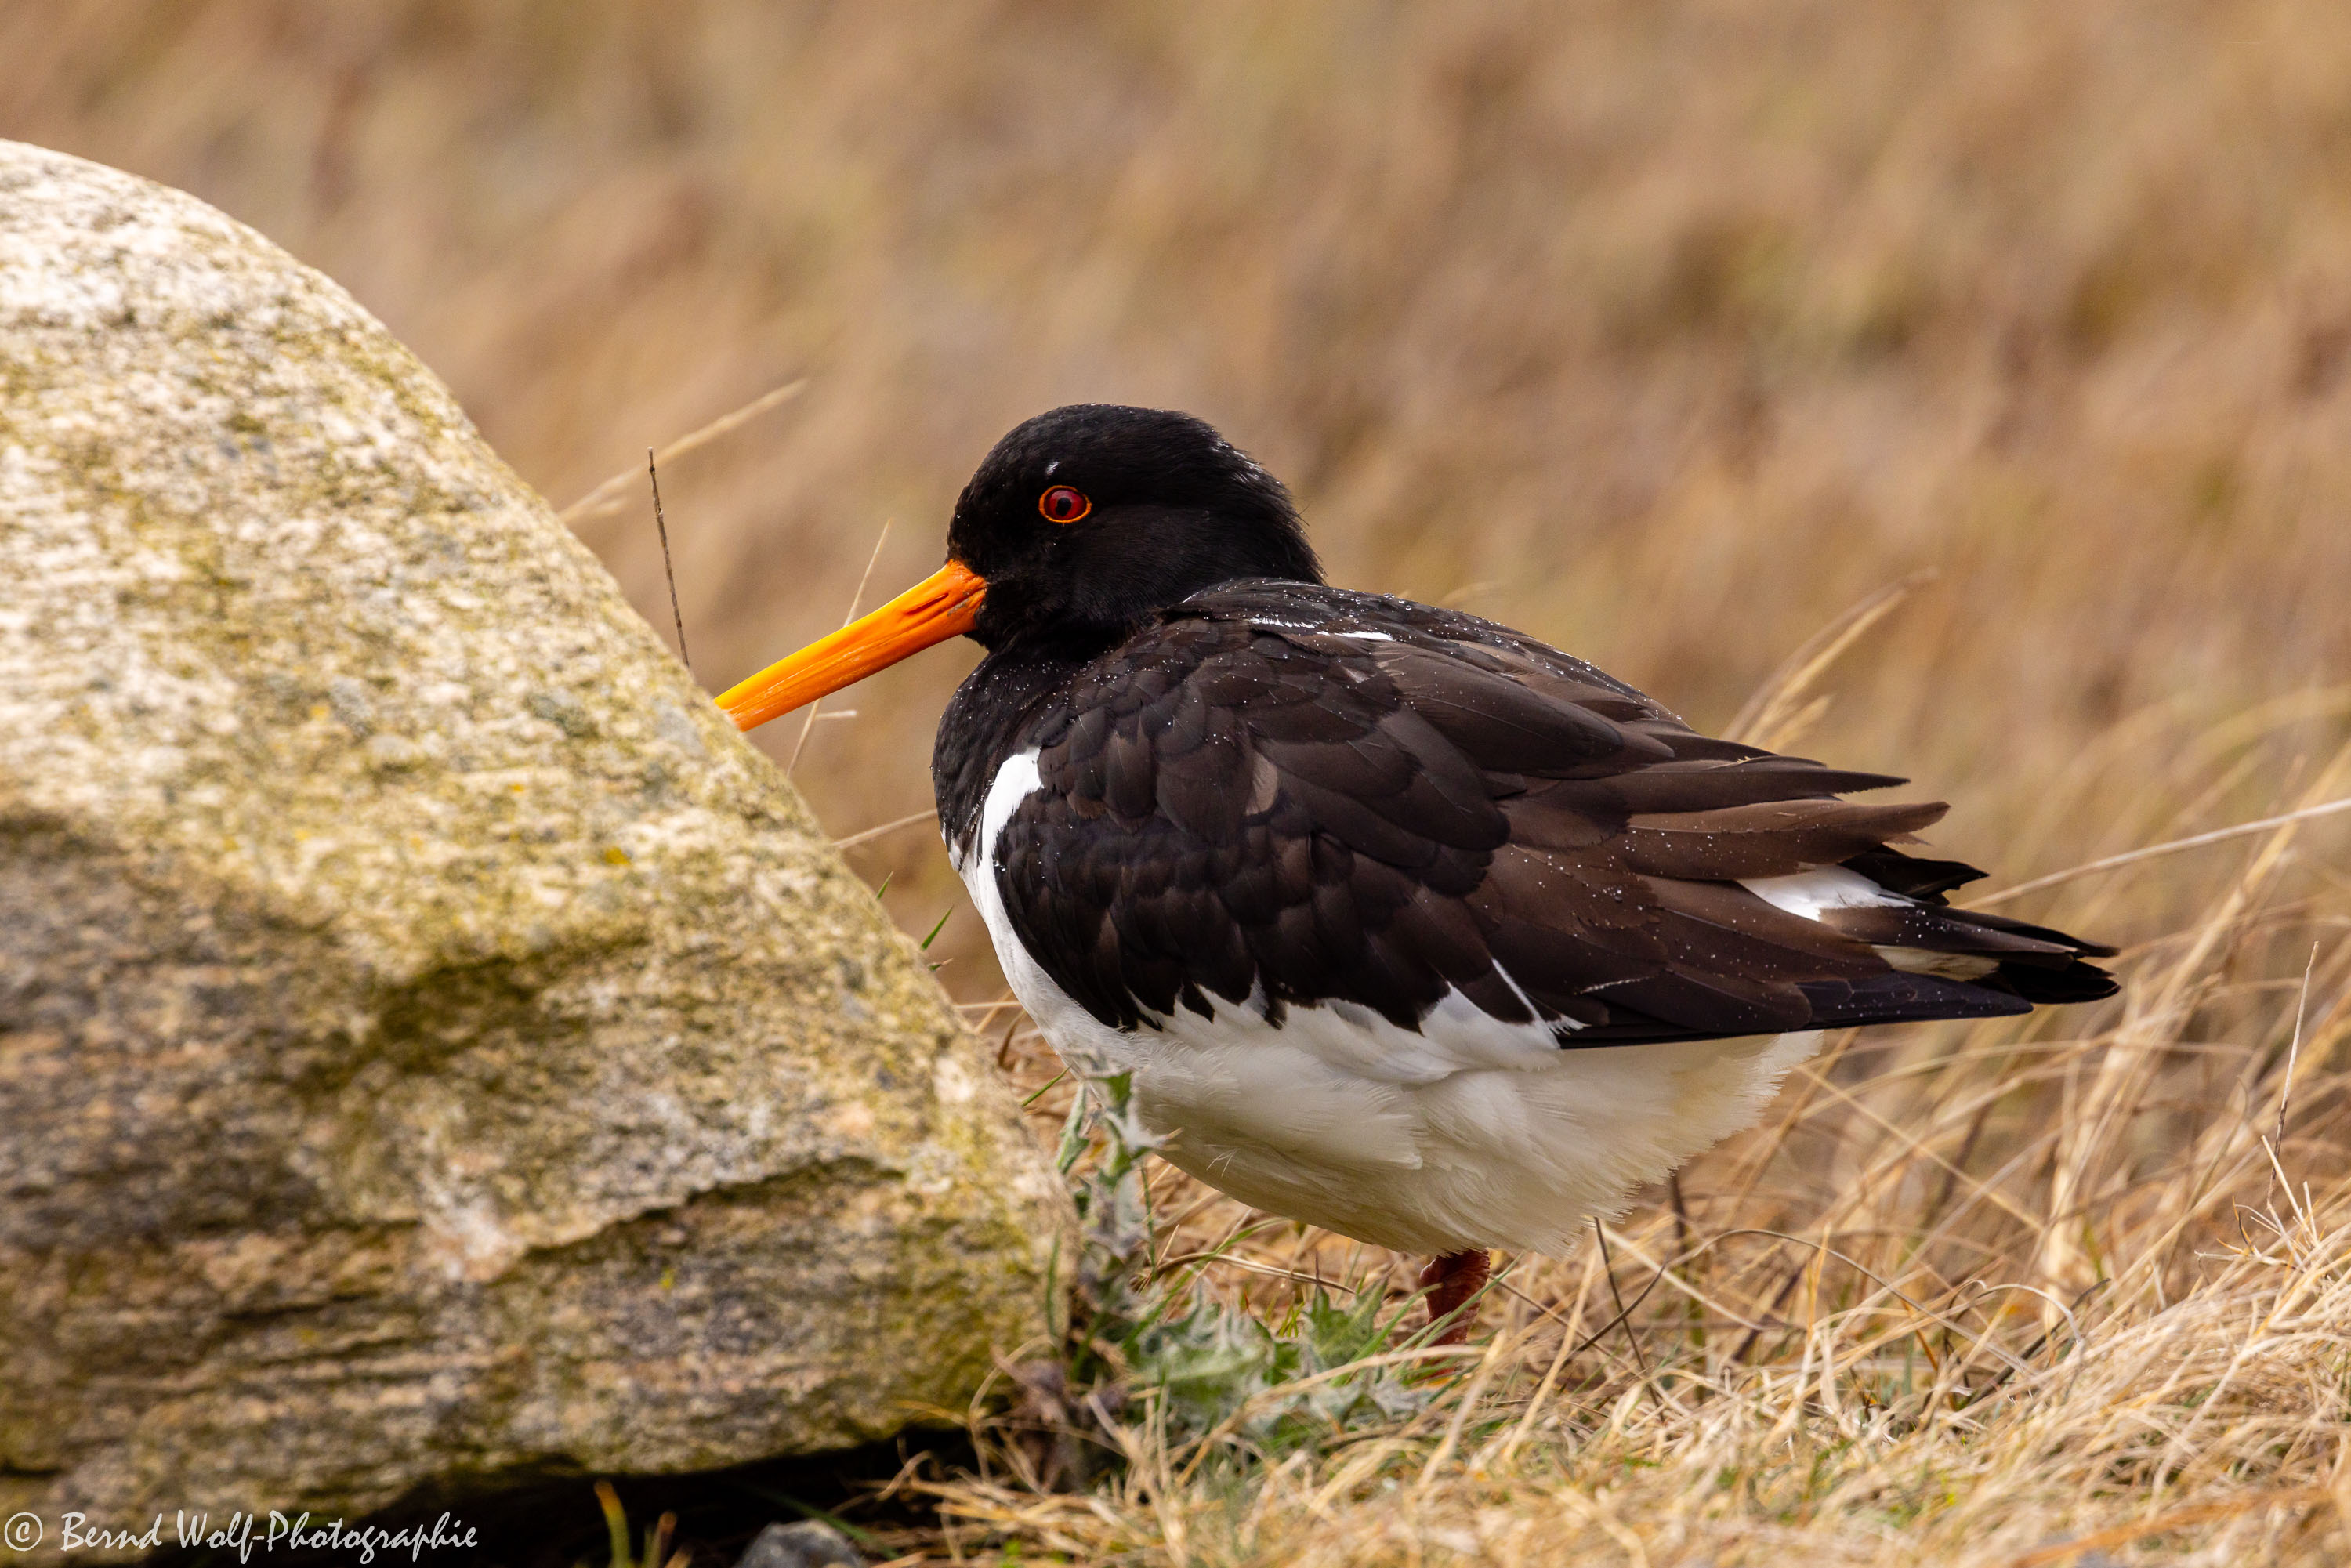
1296 795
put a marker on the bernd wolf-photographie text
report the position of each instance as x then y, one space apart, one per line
245 1532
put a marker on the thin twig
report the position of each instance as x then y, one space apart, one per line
855 599
1608 1267
2218 835
661 525
870 834
2285 1089
2293 1051
609 495
1251 1266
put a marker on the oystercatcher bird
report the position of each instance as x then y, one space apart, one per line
1404 924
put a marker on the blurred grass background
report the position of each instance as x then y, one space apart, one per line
1663 331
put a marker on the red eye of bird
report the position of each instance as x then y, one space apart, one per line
1062 504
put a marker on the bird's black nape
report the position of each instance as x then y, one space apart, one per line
1162 506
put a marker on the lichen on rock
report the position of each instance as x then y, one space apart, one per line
433 1045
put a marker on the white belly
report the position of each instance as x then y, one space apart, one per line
1471 1133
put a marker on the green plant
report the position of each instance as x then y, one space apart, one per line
657 1539
1151 1349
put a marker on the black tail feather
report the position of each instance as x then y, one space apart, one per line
1903 997
2038 933
1912 877
2035 978
2039 984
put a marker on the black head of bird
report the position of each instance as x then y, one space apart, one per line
1085 521
1078 527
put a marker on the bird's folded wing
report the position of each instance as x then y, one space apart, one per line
1386 806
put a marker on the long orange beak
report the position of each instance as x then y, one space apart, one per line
941 606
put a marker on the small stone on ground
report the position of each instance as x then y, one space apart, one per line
807 1544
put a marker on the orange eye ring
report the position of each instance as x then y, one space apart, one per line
1062 504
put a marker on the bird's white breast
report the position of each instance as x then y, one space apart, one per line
1469 1133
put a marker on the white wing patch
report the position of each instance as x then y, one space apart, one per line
1810 893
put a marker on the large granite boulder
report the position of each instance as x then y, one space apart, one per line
434 1047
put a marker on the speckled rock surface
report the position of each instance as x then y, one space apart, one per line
433 1045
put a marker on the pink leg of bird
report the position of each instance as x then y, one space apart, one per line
1450 1281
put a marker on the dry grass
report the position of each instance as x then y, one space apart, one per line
1670 331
